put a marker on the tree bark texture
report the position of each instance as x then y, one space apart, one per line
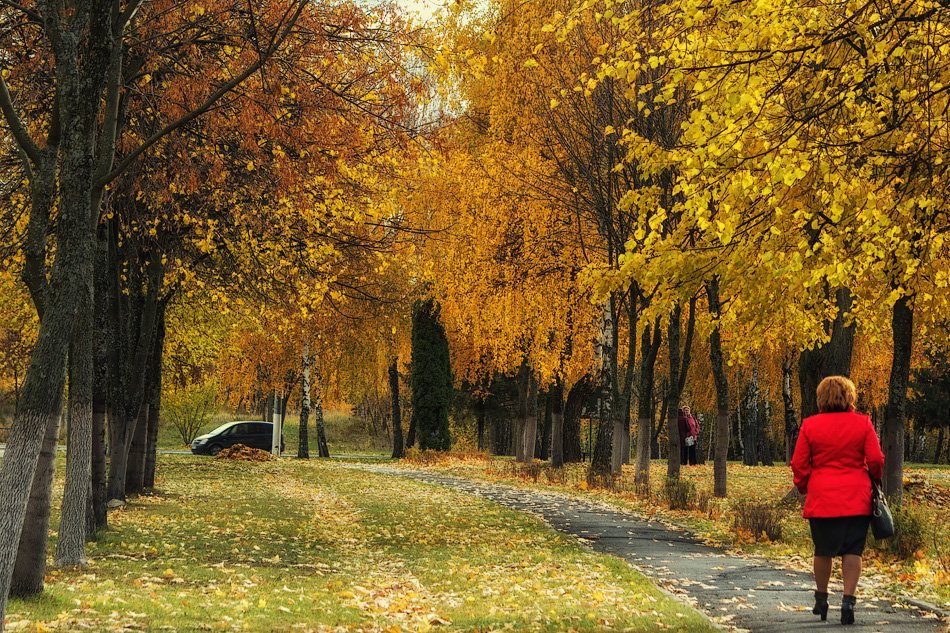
791 420
522 380
649 349
673 394
153 396
71 539
717 363
577 398
135 468
303 434
902 326
530 437
601 463
831 359
399 449
30 567
316 399
556 398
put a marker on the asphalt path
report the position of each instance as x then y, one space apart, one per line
736 592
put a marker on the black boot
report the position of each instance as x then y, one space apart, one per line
847 609
821 604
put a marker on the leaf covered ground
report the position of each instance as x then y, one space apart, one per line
917 565
310 546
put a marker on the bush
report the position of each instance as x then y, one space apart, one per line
679 494
190 408
909 534
760 519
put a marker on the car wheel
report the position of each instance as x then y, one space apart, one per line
214 449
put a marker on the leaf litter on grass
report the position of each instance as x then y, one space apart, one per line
293 546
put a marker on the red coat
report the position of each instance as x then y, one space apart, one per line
834 453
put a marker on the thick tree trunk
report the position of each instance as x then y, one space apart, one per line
831 359
556 400
71 539
119 440
398 448
902 324
717 363
30 567
303 434
939 448
100 495
577 398
135 468
153 396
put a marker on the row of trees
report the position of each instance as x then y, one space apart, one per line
170 154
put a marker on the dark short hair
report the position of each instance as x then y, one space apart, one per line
836 394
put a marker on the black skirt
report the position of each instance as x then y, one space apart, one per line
837 536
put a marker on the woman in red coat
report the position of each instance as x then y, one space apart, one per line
836 451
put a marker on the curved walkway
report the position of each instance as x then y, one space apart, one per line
738 592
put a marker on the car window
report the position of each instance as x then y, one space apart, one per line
262 429
242 429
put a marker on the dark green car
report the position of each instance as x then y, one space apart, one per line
248 432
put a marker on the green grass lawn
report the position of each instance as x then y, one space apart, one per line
345 433
315 546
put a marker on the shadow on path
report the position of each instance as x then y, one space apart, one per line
736 591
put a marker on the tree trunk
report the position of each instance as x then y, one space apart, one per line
544 444
831 359
939 447
71 539
479 422
556 400
766 447
531 417
398 448
316 400
717 363
649 349
791 421
135 468
99 510
522 380
153 396
673 395
902 323
30 567
577 398
601 463
751 421
303 435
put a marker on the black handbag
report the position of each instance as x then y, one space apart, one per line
882 522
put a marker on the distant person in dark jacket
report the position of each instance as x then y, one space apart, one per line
836 451
689 436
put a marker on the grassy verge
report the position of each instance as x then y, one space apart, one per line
917 564
292 546
345 433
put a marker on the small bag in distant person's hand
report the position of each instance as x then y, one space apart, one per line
690 440
882 523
